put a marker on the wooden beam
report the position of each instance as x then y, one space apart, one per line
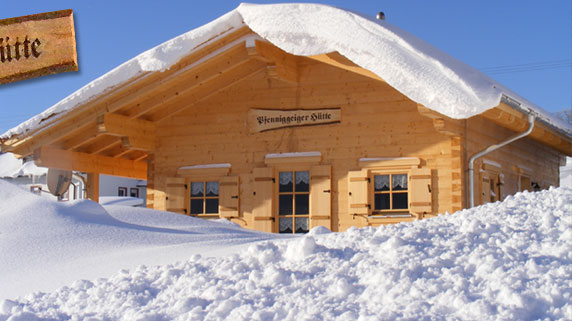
112 100
100 144
92 187
130 106
284 65
442 124
141 157
449 127
142 143
195 95
194 78
118 150
135 133
506 116
83 137
51 157
338 60
71 123
118 125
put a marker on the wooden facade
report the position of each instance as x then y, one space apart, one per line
387 160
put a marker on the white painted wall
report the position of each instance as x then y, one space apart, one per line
109 186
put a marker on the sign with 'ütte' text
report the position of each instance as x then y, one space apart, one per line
37 45
260 120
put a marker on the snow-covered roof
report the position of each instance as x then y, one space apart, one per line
418 70
12 167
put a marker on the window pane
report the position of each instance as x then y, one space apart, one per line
399 200
302 225
285 204
285 182
285 225
399 182
212 188
381 183
197 206
211 205
381 202
303 181
302 204
197 189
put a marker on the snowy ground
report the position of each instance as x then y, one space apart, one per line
503 261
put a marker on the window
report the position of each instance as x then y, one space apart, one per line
294 202
122 191
524 183
390 192
491 187
386 187
204 198
36 189
134 192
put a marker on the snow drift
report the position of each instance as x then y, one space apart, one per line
45 244
501 261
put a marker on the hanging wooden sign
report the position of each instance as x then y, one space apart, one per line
37 45
260 120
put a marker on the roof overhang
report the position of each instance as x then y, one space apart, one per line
217 61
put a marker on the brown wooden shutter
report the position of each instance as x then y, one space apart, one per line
358 188
228 191
175 195
320 196
485 189
500 188
525 183
420 191
262 200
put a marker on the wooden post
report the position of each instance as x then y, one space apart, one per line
93 187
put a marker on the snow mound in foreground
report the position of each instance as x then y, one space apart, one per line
502 261
45 244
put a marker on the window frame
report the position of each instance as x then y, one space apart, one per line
391 192
203 173
400 211
124 189
134 189
277 193
362 202
188 197
491 171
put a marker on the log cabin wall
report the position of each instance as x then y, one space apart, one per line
513 168
376 121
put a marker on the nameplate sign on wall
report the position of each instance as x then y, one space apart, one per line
37 45
260 120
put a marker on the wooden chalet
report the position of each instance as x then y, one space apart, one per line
240 129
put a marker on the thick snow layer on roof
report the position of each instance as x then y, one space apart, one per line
501 261
12 167
420 71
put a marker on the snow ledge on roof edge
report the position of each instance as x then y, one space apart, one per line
418 70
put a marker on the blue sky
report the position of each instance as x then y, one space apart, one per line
526 45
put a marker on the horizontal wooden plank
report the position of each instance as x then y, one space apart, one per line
56 158
264 218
